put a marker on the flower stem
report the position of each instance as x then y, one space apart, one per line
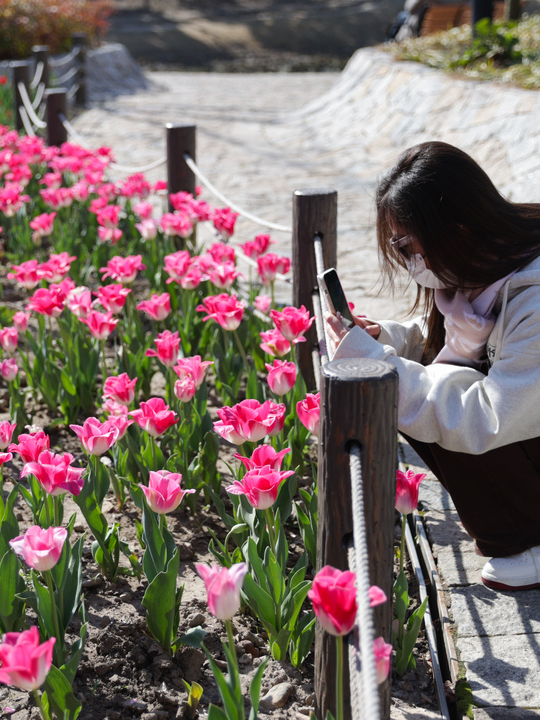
54 611
241 351
270 520
39 703
402 548
339 677
103 361
232 646
57 500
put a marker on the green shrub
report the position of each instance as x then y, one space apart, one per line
24 23
6 102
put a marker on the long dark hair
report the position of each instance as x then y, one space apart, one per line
471 235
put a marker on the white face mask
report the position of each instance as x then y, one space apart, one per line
416 266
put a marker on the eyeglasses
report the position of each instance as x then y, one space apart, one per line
400 244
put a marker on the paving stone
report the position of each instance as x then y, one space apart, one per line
459 569
506 713
503 671
477 610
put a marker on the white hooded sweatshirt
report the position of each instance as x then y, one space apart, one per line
459 407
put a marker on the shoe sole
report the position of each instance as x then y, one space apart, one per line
494 585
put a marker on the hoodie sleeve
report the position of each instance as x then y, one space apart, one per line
458 407
406 338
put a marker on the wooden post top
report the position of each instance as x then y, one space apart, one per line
314 191
353 369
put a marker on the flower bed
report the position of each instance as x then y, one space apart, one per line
156 446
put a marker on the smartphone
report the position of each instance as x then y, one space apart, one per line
335 297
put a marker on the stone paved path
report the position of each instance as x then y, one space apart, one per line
260 137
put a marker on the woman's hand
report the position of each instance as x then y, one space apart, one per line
336 330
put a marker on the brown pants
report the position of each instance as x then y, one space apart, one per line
497 494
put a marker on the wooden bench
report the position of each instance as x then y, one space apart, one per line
443 17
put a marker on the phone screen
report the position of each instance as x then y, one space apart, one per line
335 295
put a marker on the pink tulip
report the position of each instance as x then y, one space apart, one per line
164 493
9 369
57 267
120 388
109 216
224 220
46 301
333 595
114 408
263 303
20 320
176 265
168 348
270 265
222 253
40 549
113 297
308 412
148 228
176 224
5 457
263 456
192 279
79 301
260 486
31 445
11 199
24 662
55 473
383 653
184 389
123 270
376 596
96 437
144 210
225 309
274 343
42 225
193 366
223 587
158 307
407 487
110 235
9 339
292 322
26 274
281 376
6 433
250 420
154 416
120 422
223 275
257 246
100 324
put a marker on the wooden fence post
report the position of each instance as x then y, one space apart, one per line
358 404
181 139
314 213
41 55
21 74
80 40
56 105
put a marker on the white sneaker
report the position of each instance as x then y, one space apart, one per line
515 572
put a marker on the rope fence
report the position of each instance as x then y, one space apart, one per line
65 59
